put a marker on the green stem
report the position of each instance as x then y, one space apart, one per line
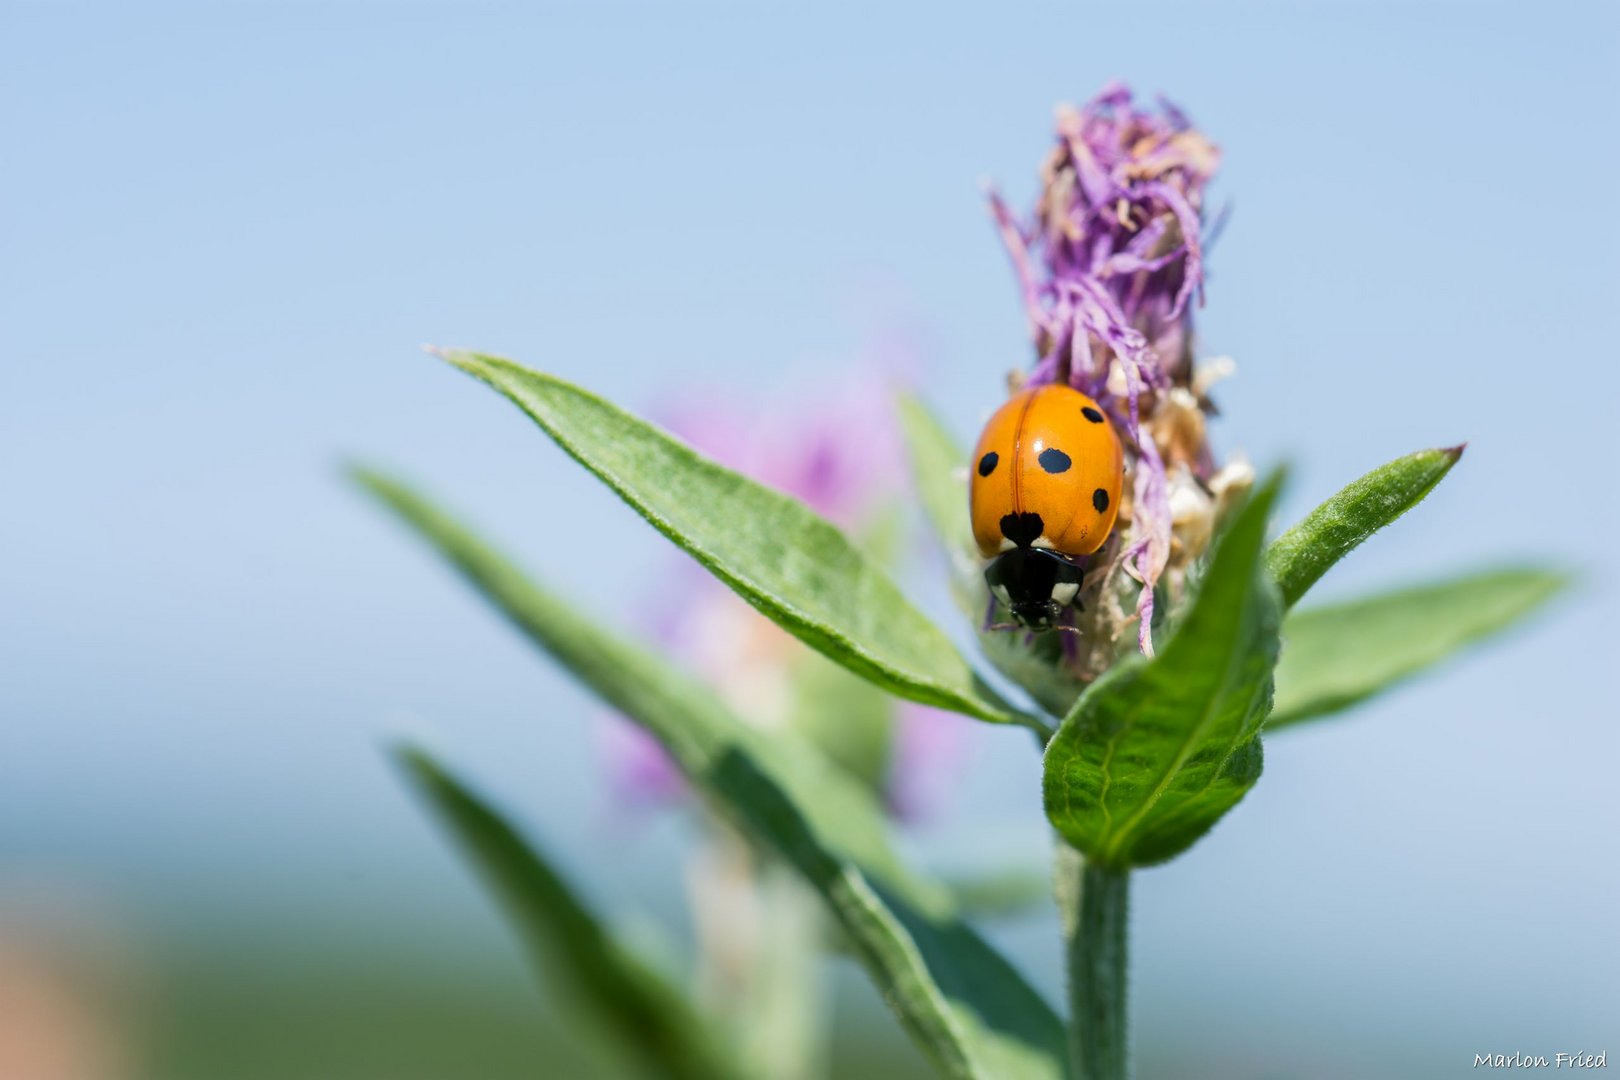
1095 903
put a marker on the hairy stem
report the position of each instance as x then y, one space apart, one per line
1095 903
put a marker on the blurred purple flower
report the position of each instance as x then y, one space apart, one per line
840 452
928 745
1108 264
641 772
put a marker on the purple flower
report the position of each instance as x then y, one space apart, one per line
928 746
1109 263
835 449
804 448
1113 253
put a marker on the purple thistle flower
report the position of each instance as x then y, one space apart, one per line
1108 265
1117 238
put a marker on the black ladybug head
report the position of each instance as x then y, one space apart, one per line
1035 585
1037 615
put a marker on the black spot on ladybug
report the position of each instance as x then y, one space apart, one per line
1099 499
1054 460
987 464
1022 529
1091 414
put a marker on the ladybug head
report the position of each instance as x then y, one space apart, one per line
1035 585
1037 614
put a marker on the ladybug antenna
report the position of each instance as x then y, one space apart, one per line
1059 627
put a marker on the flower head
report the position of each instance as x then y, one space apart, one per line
1110 262
1113 254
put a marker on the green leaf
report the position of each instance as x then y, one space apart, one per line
963 1003
628 1003
939 472
1156 751
1300 556
939 469
1341 654
776 553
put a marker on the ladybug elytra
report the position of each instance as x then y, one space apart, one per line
1044 490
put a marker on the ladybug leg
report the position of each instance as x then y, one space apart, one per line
990 614
1070 636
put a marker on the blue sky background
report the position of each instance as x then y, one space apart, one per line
229 227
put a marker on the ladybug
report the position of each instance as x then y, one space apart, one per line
1044 490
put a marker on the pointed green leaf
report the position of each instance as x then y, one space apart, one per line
1341 654
775 552
630 1005
1300 556
939 472
963 1003
1156 751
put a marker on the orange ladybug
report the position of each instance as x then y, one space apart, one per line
1044 490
